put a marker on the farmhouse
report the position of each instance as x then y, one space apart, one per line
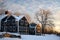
13 23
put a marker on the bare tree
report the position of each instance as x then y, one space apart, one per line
45 18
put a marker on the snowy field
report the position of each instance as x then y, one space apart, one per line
34 37
10 39
46 37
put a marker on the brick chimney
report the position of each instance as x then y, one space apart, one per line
8 13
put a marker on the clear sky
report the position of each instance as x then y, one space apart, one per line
32 6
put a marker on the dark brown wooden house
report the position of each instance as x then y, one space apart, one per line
9 24
23 26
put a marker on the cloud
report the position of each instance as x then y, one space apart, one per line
32 6
15 7
57 15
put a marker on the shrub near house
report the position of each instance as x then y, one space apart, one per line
38 29
48 30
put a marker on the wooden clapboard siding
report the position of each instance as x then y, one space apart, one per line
24 26
10 25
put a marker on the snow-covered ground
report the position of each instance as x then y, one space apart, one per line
34 37
9 38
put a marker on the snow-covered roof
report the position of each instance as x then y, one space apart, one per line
18 17
41 37
2 16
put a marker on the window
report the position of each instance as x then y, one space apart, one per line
21 22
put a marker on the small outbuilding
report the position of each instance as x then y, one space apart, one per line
32 27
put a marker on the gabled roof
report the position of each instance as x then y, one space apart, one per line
2 16
18 17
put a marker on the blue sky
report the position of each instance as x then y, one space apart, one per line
32 6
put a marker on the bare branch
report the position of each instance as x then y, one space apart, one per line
45 18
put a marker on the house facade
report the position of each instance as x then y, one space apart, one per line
9 24
23 26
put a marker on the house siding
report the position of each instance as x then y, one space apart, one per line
10 25
24 26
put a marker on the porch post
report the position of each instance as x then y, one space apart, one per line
17 26
0 25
